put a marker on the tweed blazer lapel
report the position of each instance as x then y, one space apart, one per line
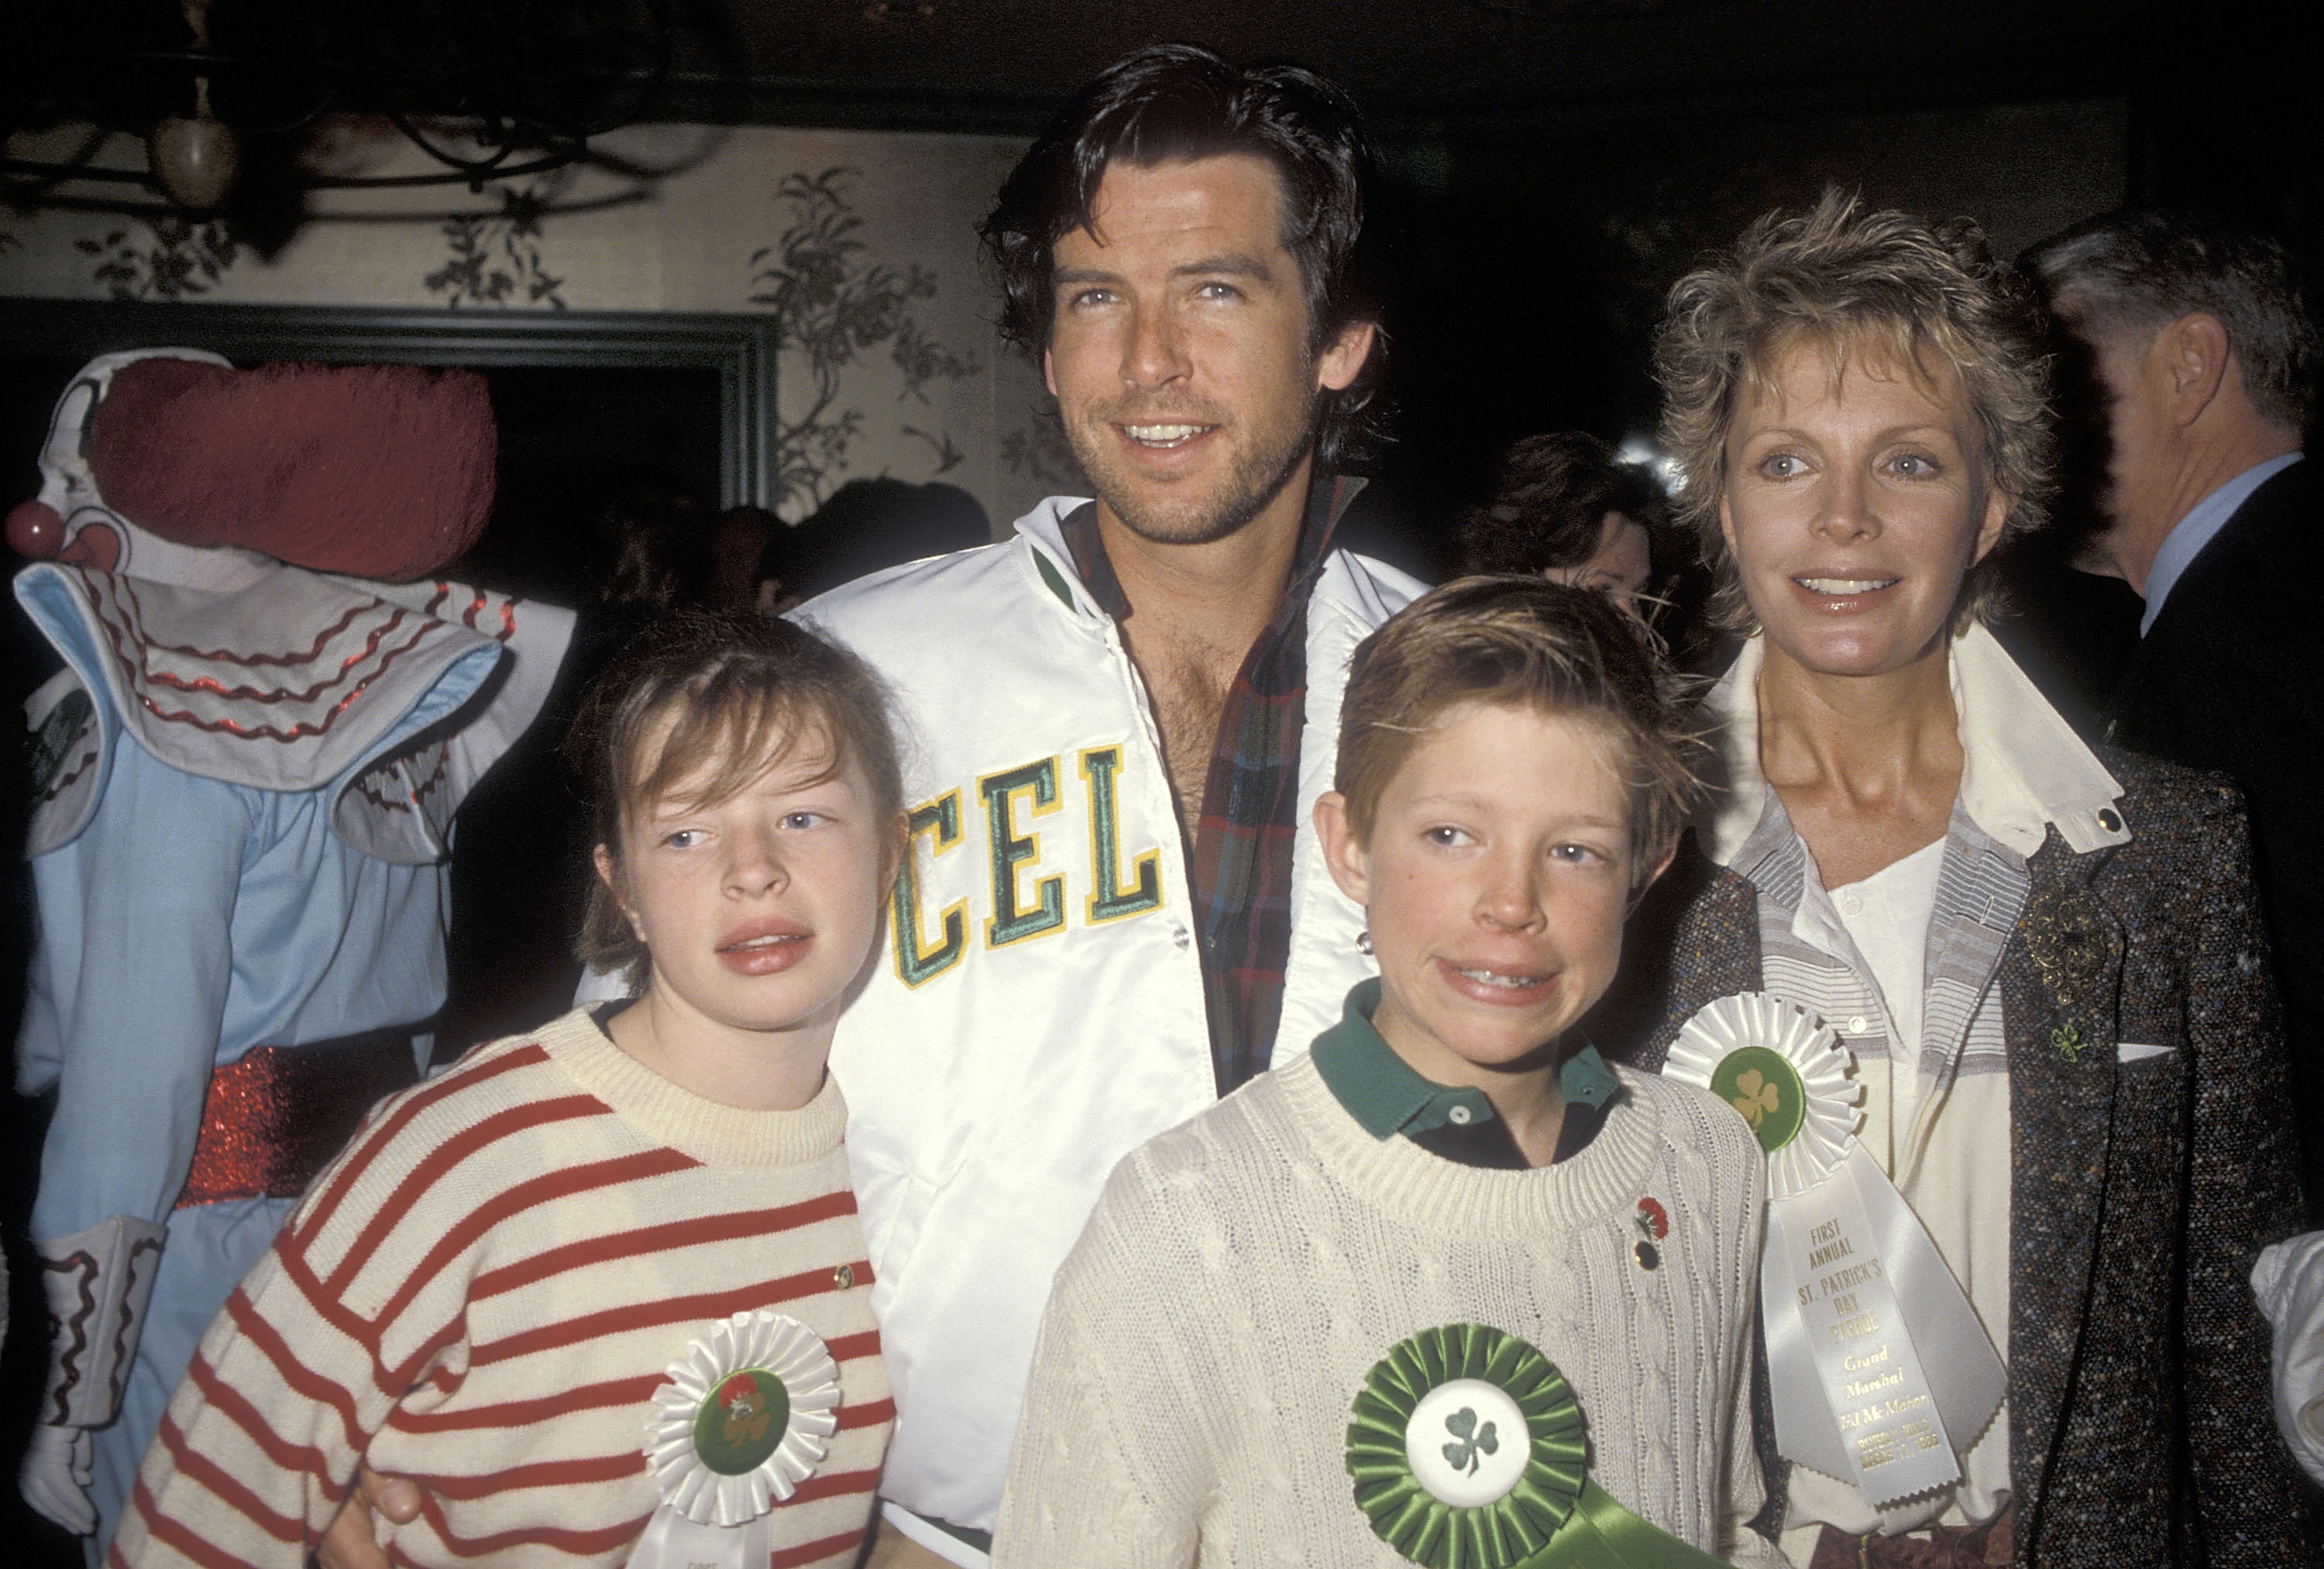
1710 932
2061 975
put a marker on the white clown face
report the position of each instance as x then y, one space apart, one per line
92 533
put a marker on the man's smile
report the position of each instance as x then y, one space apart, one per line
1163 434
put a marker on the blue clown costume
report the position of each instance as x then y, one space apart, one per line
245 783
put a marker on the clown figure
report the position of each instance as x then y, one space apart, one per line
245 783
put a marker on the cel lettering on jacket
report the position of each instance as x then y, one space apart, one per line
1023 903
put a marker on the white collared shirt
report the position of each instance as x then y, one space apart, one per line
2023 768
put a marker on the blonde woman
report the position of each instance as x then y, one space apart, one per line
2045 961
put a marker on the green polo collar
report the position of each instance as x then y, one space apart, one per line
1380 1089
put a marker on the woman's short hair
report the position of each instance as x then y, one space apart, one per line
1846 280
1173 102
1551 495
1522 642
725 696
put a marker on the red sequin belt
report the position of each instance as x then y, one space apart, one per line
273 1120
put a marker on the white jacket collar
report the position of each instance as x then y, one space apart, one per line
2023 768
1043 529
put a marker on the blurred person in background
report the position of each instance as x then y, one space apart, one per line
868 525
1564 507
659 539
738 545
2201 359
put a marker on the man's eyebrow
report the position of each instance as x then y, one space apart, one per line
1229 264
1234 264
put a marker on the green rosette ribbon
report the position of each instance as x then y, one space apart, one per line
1469 1450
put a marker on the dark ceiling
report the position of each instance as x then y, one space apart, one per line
1002 64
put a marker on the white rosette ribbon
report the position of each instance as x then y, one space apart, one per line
740 1421
1878 1365
1828 1115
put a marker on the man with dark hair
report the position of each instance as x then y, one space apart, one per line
1176 103
2204 359
1114 911
1116 725
1133 704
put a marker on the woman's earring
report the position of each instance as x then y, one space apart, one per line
1364 942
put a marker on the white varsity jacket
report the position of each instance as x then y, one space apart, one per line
1038 1013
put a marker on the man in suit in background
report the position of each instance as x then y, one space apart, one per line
2203 358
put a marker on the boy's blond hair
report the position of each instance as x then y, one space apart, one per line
1522 643
737 691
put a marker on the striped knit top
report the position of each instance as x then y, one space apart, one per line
483 1293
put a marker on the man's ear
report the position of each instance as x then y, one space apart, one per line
2194 350
1049 373
1344 853
1338 365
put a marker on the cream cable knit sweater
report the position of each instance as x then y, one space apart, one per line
1243 1272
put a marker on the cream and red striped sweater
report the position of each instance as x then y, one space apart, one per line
482 1294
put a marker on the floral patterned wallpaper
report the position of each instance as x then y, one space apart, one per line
861 245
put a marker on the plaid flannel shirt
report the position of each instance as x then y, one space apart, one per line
1239 861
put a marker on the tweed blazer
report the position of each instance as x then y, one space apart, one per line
2140 1192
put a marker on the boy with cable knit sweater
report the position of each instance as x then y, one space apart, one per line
1449 1288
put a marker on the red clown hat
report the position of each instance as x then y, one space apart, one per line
375 471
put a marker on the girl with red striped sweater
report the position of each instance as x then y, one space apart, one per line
601 1290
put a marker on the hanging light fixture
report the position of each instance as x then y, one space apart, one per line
488 89
195 159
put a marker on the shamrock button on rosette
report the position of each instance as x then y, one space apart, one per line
1786 1072
1467 1448
742 1420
